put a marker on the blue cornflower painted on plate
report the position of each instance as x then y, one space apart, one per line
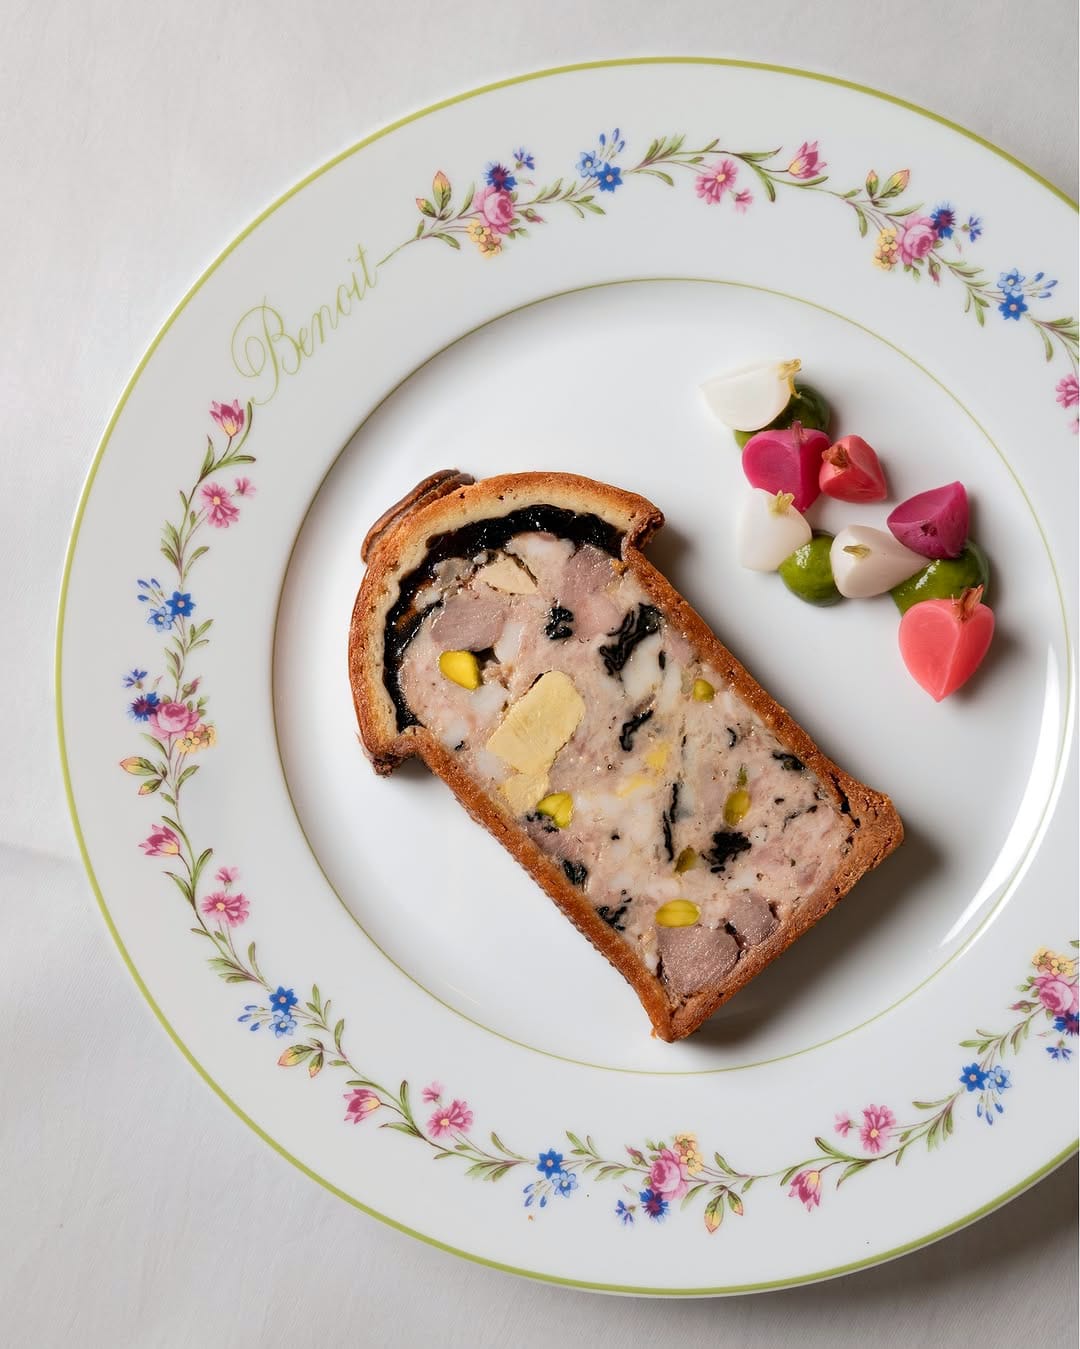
974 227
550 1163
1069 1022
134 679
283 999
1012 306
160 618
523 159
655 1205
999 1078
589 164
500 177
1012 282
624 1213
943 219
566 1184
141 708
1059 1051
609 177
180 605
283 1023
973 1077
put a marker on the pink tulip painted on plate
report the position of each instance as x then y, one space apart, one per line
807 162
359 1104
229 416
244 487
433 1092
162 842
226 875
743 200
807 1187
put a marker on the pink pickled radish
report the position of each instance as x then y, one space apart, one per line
934 523
850 471
943 642
786 459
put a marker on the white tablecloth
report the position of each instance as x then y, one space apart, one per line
136 138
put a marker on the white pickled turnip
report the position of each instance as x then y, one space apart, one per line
868 562
768 530
752 396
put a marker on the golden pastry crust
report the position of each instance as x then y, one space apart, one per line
397 544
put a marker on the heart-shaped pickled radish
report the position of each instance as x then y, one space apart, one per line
868 562
768 529
943 642
786 460
934 523
752 396
850 471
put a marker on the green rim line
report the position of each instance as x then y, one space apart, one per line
1006 885
80 511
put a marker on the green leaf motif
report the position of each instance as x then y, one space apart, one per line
714 1212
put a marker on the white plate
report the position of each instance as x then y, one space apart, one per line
363 354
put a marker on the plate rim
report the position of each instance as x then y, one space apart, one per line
84 495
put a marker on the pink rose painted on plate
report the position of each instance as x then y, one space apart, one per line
173 719
667 1176
918 238
496 206
1056 995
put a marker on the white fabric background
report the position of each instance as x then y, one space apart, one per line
136 138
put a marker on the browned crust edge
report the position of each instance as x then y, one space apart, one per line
396 544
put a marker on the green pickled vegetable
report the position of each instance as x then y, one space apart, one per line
944 579
808 571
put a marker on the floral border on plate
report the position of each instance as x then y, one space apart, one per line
938 243
172 710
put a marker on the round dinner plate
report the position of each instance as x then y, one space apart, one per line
539 275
